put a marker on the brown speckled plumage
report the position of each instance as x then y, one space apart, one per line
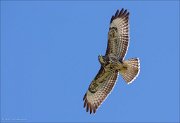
112 63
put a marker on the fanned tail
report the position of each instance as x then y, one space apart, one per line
130 71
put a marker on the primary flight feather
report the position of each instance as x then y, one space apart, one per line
113 63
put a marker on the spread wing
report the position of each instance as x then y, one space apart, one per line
118 35
99 89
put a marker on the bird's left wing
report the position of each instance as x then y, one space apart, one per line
118 35
99 89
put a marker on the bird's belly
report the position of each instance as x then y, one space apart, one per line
114 66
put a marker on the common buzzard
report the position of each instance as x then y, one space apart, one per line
112 63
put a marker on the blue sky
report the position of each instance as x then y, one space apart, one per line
49 56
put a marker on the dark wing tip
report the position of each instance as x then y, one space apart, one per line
122 14
117 13
112 18
127 14
85 103
89 107
84 97
92 109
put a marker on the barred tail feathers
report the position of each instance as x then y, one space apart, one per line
131 71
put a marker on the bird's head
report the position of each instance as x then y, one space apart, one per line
101 59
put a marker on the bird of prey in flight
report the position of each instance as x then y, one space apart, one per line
112 63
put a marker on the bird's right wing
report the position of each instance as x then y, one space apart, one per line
118 35
99 89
